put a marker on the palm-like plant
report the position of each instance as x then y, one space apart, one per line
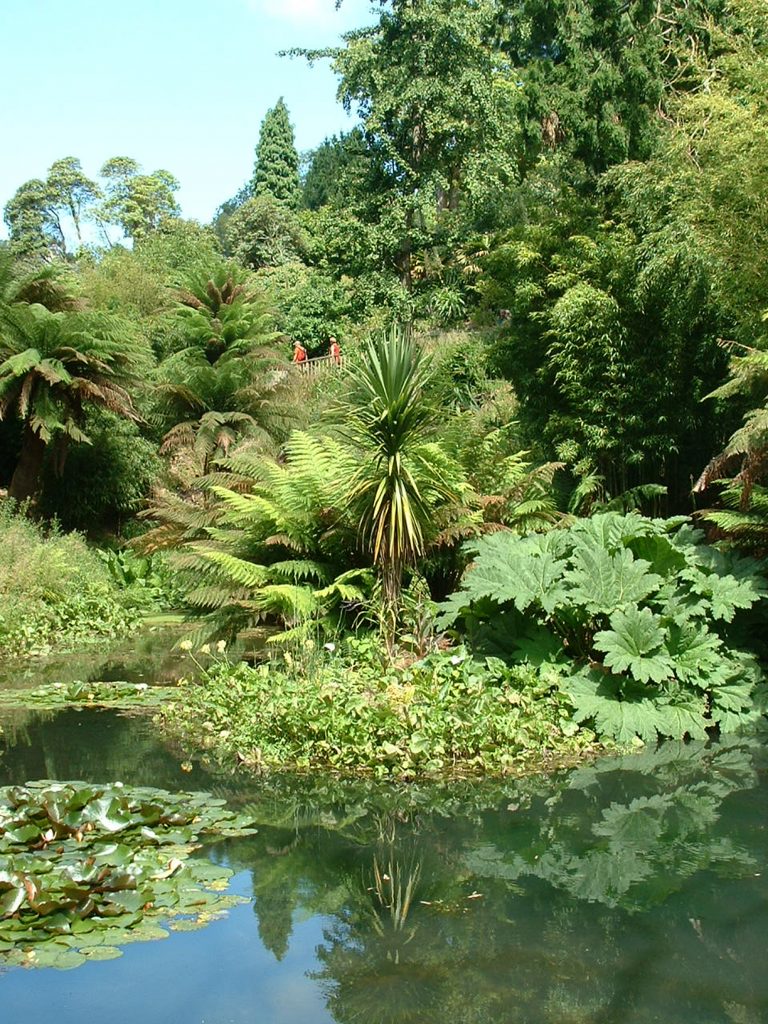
404 477
212 405
747 450
52 367
744 525
219 311
34 283
221 386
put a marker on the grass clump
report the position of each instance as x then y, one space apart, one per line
447 713
55 591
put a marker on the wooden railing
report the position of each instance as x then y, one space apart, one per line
319 364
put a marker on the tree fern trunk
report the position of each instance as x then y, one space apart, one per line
25 482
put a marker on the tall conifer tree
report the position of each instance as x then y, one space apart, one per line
276 172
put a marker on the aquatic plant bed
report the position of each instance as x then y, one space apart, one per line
85 869
119 695
448 714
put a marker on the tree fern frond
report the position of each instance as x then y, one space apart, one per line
237 570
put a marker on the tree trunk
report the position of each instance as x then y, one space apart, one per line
391 586
404 256
25 482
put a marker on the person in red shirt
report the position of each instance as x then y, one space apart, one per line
335 351
299 353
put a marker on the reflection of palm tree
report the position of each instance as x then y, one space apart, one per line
394 889
373 978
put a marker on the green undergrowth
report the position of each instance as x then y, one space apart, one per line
447 713
55 591
112 694
85 869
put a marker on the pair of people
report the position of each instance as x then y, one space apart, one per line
300 353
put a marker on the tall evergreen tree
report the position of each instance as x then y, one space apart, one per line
276 171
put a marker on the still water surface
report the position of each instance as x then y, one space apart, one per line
630 891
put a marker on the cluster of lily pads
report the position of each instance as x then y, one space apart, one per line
118 694
85 869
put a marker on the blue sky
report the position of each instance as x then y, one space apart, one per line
179 84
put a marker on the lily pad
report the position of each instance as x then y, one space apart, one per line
86 869
102 694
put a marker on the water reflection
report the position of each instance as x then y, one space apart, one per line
146 657
632 890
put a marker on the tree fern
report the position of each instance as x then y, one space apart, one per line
223 382
53 366
743 521
275 539
745 457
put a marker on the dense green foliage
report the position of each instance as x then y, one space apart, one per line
54 591
652 626
541 248
341 709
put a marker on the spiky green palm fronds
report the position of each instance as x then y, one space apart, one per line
741 526
50 284
225 383
220 311
403 475
53 365
745 457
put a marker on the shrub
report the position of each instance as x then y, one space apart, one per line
652 627
105 482
54 590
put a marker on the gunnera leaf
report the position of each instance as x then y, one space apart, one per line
612 530
603 583
725 594
617 714
517 570
634 644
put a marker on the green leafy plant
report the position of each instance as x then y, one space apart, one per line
273 542
404 476
147 581
221 384
53 366
446 713
647 622
743 519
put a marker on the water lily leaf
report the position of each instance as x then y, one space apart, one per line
22 834
186 925
83 894
11 900
102 953
58 958
131 901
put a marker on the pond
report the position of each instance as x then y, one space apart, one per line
630 890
